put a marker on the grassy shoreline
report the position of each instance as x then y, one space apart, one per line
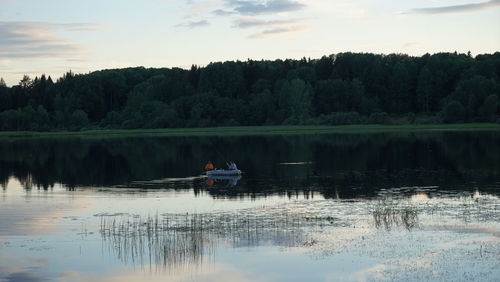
254 130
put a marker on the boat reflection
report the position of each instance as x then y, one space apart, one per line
229 180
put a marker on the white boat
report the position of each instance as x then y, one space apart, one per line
223 172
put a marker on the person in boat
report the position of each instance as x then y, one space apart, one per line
232 166
209 166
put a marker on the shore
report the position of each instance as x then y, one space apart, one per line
253 130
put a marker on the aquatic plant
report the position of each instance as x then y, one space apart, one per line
388 214
174 240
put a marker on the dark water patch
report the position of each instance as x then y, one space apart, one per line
27 276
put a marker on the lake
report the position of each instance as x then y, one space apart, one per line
404 206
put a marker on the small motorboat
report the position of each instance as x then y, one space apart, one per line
224 172
232 170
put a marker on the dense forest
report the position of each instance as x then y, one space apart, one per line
346 88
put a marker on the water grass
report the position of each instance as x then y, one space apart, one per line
388 214
177 241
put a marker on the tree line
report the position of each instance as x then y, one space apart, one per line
346 88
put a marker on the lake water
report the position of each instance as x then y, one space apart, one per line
405 206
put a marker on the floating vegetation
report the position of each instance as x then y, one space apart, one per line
389 214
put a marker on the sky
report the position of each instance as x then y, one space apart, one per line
54 36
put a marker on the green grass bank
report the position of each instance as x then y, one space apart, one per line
253 130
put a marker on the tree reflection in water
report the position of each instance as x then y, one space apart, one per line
335 165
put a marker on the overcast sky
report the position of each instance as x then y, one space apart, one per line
53 36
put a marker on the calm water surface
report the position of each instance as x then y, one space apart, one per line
347 207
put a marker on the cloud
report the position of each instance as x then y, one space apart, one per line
39 39
456 8
194 24
278 31
80 26
412 44
221 12
247 14
270 28
252 22
256 7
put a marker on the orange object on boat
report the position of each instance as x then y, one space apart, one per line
210 182
209 166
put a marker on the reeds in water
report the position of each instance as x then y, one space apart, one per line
389 214
176 240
